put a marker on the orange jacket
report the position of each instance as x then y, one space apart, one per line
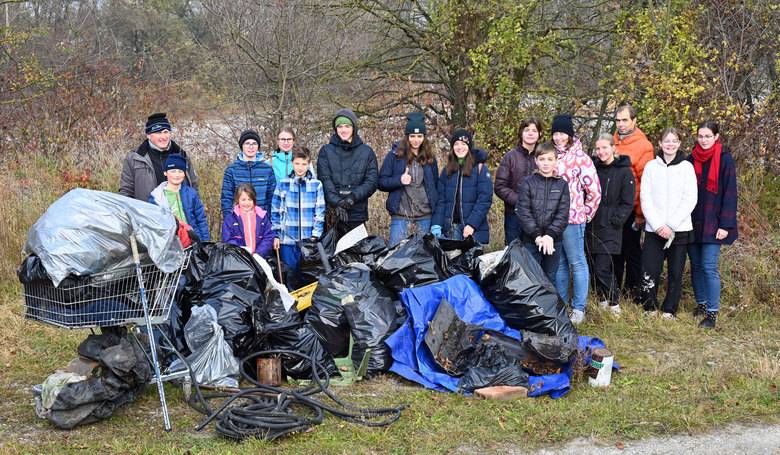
640 151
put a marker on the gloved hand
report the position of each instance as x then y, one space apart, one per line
342 214
347 202
314 239
547 245
436 230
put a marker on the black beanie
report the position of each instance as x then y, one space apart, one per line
157 122
562 124
461 135
248 134
415 123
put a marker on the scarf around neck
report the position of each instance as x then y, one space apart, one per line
701 156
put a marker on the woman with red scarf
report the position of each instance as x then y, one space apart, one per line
714 218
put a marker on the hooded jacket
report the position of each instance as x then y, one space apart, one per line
348 169
584 191
233 230
258 173
669 194
640 151
190 204
605 231
476 197
516 165
542 206
717 211
138 177
393 167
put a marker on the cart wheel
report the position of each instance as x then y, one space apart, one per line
186 389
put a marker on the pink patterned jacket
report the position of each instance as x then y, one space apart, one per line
578 170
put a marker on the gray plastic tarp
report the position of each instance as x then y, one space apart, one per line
86 232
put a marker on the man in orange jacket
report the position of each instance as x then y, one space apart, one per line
632 142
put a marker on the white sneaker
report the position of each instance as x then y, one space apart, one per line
651 314
615 309
577 317
668 316
604 303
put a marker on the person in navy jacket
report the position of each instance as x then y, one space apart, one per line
410 174
465 192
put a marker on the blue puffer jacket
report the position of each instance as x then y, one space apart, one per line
476 198
393 168
190 204
258 173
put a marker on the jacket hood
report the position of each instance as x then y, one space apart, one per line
636 136
620 161
258 159
336 140
480 155
345 113
258 210
159 196
677 158
174 148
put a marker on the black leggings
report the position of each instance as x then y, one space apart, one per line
653 256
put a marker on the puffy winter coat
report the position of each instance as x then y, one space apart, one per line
640 151
476 197
191 206
579 172
516 165
393 168
717 211
542 206
258 173
348 169
138 177
233 230
669 194
604 233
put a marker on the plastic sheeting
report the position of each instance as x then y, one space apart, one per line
212 361
519 289
87 231
416 261
412 359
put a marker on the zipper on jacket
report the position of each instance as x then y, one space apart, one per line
458 189
300 211
547 194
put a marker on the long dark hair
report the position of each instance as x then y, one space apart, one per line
424 154
453 166
525 124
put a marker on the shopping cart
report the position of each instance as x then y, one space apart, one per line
139 295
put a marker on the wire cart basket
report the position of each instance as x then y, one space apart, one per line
138 295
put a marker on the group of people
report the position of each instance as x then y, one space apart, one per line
574 214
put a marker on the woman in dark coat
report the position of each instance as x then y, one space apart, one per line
465 192
604 233
714 218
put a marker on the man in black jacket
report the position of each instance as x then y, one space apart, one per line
349 173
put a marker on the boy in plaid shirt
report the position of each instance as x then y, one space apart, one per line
297 213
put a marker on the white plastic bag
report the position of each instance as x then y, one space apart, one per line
211 360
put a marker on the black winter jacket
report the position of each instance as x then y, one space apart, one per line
516 165
542 206
605 231
348 169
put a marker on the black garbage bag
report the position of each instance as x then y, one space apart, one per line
366 251
311 264
32 271
559 349
495 359
520 291
462 256
347 301
227 278
416 261
121 377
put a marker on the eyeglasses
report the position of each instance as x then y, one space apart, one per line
251 143
286 139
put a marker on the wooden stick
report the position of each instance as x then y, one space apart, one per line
279 266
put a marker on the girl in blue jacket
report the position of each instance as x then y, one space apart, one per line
465 192
410 174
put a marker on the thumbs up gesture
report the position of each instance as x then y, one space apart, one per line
406 178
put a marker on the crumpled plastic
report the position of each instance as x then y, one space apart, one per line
416 261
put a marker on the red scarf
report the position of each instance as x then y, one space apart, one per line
701 156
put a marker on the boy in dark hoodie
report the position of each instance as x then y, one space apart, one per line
543 210
348 170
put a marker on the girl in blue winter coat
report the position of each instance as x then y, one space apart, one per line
410 174
181 199
248 225
465 192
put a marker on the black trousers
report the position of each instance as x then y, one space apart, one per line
653 256
630 261
605 282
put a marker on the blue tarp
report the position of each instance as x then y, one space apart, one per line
413 360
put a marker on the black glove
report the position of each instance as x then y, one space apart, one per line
347 202
342 214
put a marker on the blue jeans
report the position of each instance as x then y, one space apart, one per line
549 262
291 257
705 276
511 227
573 257
399 228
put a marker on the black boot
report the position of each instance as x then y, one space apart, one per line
710 317
700 310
